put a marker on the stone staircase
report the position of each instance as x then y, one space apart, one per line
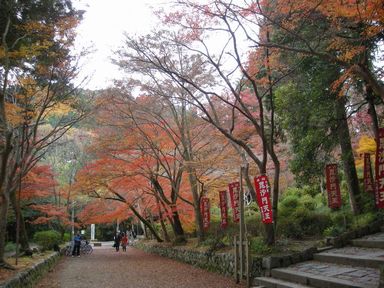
348 267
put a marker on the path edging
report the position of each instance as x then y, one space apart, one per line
220 262
28 277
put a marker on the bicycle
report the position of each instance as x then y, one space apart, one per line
85 248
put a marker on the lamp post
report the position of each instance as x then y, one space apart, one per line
73 219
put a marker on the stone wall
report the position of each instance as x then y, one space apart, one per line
346 237
27 278
219 262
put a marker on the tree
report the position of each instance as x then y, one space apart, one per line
177 117
334 79
187 66
30 32
347 33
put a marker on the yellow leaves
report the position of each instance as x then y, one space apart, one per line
2 52
32 101
60 109
13 114
366 145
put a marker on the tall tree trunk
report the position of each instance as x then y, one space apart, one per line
275 191
163 228
179 231
270 146
347 156
23 231
196 205
372 110
146 223
4 203
5 150
366 74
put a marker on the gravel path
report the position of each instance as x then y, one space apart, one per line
106 268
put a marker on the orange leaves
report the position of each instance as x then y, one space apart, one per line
101 211
354 10
346 52
38 183
350 23
50 210
49 213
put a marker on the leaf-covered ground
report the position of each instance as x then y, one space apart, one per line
23 263
107 268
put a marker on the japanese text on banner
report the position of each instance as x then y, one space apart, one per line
333 187
263 198
369 184
223 209
379 192
234 192
206 213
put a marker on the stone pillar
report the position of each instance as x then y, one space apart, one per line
92 232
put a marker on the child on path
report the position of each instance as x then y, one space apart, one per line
124 242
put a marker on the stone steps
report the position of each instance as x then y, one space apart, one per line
371 241
355 256
348 267
276 283
324 275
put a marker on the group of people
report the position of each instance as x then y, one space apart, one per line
121 238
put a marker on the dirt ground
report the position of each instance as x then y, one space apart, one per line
106 268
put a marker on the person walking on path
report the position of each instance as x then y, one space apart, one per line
124 242
76 246
117 241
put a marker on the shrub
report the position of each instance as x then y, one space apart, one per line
288 205
301 214
308 202
258 246
47 239
333 231
363 220
10 247
289 228
311 190
67 237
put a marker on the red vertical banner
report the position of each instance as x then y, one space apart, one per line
333 187
379 192
263 198
223 209
234 192
368 177
206 213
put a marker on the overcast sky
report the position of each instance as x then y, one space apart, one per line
102 29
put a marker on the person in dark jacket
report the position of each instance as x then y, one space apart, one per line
76 246
117 240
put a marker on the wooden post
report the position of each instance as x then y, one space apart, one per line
247 263
241 199
241 246
237 280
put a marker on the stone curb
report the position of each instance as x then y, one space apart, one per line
218 262
27 278
271 262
